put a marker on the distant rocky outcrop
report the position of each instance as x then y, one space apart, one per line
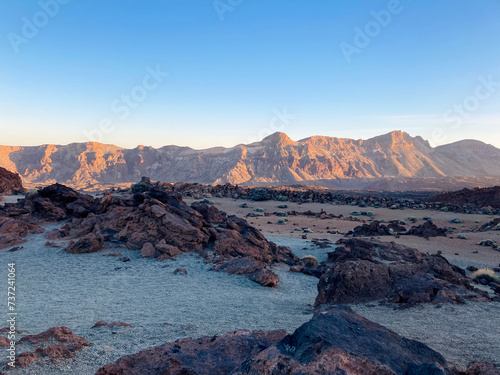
375 228
335 341
10 183
386 162
478 197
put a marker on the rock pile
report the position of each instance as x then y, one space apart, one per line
156 222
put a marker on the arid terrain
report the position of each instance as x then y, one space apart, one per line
271 272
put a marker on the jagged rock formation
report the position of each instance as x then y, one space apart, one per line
344 163
10 183
156 222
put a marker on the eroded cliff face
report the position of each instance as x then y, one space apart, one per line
275 160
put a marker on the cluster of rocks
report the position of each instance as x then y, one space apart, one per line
335 341
376 228
158 223
303 194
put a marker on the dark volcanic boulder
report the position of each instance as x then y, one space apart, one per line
10 183
366 270
375 228
338 341
206 355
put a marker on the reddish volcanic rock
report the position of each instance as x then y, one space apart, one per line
206 355
91 243
14 231
68 344
61 334
10 183
4 341
161 225
157 222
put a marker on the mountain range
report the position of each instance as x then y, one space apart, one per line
391 161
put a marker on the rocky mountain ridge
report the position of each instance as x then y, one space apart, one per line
397 157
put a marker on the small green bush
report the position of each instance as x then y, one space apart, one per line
260 195
310 261
140 187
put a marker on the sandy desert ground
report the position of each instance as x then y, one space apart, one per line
458 251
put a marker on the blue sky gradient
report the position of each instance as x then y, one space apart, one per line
239 72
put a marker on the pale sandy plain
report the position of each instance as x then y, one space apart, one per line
458 251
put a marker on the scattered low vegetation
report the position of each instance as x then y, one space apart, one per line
260 195
310 261
485 274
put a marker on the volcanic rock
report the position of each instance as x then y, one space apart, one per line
426 230
366 271
102 323
91 243
14 231
68 344
10 183
334 341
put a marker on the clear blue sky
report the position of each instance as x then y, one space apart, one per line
232 68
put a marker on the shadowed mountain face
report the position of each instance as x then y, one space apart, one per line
276 160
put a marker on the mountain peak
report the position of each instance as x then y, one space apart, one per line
278 139
393 139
